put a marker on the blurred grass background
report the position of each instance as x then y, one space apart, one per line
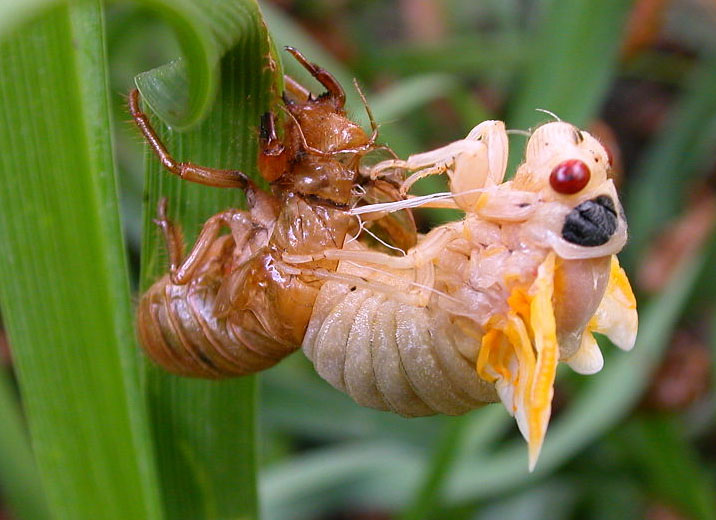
635 441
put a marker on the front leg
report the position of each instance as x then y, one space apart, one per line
325 78
189 171
472 163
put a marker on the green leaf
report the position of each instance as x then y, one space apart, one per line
428 493
15 13
314 479
554 499
205 430
468 55
669 465
289 395
64 288
382 469
194 74
181 92
410 94
613 497
201 50
19 480
571 65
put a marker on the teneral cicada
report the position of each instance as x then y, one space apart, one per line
475 311
482 309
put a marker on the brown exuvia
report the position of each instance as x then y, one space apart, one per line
232 306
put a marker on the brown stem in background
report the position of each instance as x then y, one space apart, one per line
678 242
424 20
5 357
684 375
645 23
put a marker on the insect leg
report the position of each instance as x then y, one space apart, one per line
494 136
435 161
396 287
180 271
216 177
413 286
324 77
273 156
421 174
470 162
359 256
172 235
295 88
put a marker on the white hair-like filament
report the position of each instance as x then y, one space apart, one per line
549 113
362 227
413 202
518 131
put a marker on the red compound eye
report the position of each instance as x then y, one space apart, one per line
569 177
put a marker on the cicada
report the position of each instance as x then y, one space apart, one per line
482 309
476 311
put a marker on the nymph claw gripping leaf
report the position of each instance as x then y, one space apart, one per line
476 311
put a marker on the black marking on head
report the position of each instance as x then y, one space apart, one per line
592 223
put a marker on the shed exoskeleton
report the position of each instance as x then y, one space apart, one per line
232 306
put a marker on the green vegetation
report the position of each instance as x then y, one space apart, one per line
90 429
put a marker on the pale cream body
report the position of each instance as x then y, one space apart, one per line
405 333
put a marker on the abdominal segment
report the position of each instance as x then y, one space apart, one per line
178 328
391 355
373 337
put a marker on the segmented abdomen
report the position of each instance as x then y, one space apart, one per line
179 330
390 355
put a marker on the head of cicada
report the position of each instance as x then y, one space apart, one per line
577 224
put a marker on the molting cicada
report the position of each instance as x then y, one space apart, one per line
475 311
